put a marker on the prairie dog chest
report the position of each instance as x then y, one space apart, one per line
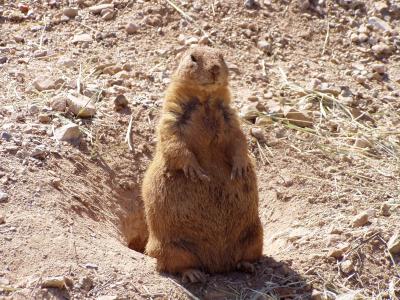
206 121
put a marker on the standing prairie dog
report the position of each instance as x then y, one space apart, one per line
200 191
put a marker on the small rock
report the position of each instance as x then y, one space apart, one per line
56 182
86 283
70 12
44 118
347 266
316 295
3 59
112 70
250 112
44 83
39 152
91 266
362 143
249 4
379 68
68 132
360 220
33 109
264 45
59 103
258 133
394 244
106 297
19 39
131 28
339 250
4 135
81 107
192 40
3 197
58 282
385 209
120 102
298 118
2 218
23 7
263 121
98 8
204 40
4 281
379 24
82 38
381 49
304 4
107 14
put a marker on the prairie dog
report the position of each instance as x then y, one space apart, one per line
200 191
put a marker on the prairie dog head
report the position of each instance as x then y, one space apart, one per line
203 67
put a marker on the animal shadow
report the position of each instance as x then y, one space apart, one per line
272 280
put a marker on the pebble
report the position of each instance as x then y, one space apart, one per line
360 220
82 38
4 135
249 112
131 28
347 266
107 297
86 283
59 103
263 121
2 218
264 45
120 102
33 109
59 282
44 83
81 107
3 197
316 295
107 14
112 70
379 24
381 49
379 68
339 250
298 118
3 59
394 244
56 182
96 9
385 209
39 152
70 12
249 3
258 133
68 132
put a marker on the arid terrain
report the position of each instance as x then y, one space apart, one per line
317 85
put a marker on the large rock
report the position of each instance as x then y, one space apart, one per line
81 107
68 132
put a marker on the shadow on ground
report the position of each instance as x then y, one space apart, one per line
272 280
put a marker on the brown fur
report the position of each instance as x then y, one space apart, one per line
201 213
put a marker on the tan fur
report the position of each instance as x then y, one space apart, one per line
198 217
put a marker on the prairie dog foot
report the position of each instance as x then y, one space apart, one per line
193 276
246 267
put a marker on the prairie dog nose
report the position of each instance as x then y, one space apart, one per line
215 70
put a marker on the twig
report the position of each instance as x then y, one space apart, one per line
128 137
326 36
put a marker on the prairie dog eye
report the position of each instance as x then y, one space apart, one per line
194 59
